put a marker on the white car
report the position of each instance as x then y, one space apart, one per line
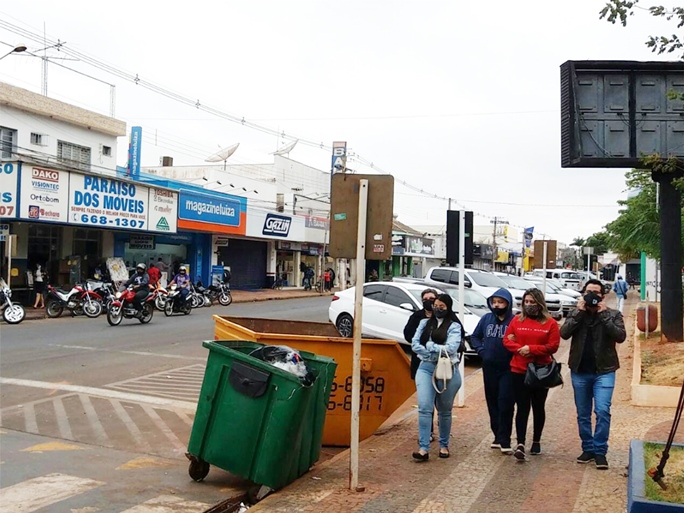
559 288
557 304
387 307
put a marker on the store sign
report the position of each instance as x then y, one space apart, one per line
141 242
107 203
420 246
44 194
317 223
163 216
210 212
9 181
276 226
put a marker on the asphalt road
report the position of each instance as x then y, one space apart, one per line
90 352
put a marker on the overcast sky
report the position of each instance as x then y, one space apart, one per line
460 99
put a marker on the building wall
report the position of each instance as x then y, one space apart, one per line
53 131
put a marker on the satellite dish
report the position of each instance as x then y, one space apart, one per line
223 155
285 150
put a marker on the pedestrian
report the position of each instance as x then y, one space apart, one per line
631 281
39 279
373 275
434 336
332 276
487 340
154 274
302 269
532 336
162 266
595 329
620 289
326 278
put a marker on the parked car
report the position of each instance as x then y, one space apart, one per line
474 301
554 302
485 282
387 307
569 278
560 289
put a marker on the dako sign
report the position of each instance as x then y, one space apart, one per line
276 226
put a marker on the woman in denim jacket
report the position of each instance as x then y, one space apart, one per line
439 332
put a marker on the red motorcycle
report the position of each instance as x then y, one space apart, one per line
122 307
79 300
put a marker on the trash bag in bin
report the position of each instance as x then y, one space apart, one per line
287 359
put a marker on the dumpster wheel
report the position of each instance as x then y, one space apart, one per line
257 492
198 469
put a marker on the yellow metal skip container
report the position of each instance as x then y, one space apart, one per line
385 369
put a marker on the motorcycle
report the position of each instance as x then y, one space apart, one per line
174 303
222 291
162 297
208 294
105 290
122 307
13 313
79 300
195 298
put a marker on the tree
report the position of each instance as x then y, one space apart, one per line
600 241
637 228
620 11
578 242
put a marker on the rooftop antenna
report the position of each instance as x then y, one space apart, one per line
223 155
285 150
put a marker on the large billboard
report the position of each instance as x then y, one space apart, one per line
275 225
211 213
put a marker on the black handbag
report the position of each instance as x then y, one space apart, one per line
544 376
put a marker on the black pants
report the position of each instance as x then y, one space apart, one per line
500 401
140 295
525 398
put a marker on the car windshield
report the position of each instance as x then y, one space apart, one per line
487 280
571 276
417 294
474 299
515 283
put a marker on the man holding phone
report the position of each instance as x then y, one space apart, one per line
595 329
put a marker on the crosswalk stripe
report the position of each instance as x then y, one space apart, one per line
94 420
130 425
164 428
168 504
62 420
40 492
30 419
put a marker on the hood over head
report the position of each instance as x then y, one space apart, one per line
504 294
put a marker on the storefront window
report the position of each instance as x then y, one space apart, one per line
43 248
87 244
171 254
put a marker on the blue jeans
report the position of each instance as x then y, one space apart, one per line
429 399
593 390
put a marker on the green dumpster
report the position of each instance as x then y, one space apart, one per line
255 420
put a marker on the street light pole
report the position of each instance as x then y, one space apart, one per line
16 49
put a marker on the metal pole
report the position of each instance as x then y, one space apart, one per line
358 322
9 260
461 300
544 256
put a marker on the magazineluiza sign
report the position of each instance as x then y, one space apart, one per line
213 213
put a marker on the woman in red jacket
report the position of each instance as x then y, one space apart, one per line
532 336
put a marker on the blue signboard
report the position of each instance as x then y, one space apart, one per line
210 208
134 152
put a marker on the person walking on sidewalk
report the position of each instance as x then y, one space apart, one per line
532 336
487 340
595 329
620 287
435 335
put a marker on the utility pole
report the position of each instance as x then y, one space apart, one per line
495 253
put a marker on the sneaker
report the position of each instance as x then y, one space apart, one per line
506 449
495 445
585 457
421 457
519 452
601 462
535 450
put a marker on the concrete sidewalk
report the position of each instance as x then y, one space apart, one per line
239 296
477 479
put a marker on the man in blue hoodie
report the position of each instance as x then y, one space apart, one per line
487 340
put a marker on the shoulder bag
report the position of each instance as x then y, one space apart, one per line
444 370
543 376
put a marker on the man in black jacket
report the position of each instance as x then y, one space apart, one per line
595 329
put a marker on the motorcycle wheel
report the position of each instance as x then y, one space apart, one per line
115 315
160 303
53 309
146 314
207 301
187 309
91 309
197 301
14 313
225 299
168 308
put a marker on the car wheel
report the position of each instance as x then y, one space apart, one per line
345 325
